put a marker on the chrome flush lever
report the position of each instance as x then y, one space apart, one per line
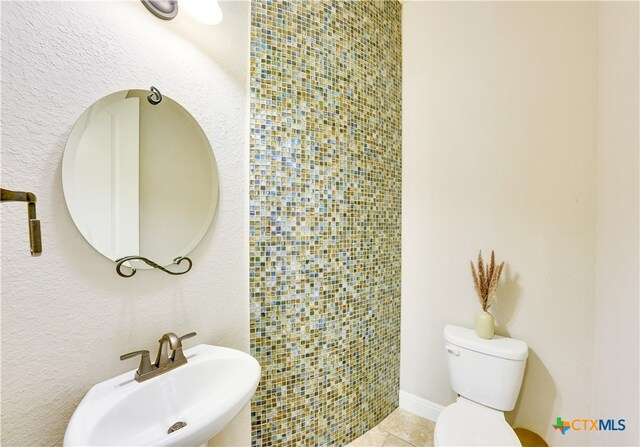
451 350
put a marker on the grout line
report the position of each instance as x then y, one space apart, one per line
394 435
389 433
386 437
397 435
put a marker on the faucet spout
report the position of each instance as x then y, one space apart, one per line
164 363
174 341
168 340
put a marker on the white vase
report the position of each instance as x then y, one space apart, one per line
485 325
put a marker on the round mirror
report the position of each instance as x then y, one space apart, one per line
140 178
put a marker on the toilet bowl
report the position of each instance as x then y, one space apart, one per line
466 423
487 375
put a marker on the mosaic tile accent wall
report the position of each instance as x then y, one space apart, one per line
325 209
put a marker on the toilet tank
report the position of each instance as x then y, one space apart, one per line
488 372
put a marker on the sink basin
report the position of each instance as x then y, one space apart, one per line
206 394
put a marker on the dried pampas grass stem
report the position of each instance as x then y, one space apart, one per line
485 279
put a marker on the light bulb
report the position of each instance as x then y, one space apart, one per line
204 11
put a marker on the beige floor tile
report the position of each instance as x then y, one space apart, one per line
409 427
373 438
393 441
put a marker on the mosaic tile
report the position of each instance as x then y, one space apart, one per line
325 210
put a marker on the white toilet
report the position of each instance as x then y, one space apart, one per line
487 375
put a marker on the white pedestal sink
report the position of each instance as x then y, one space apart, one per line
205 394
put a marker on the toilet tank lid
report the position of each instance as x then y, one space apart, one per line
503 347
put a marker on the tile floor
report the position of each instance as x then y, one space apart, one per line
400 429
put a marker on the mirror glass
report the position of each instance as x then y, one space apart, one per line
139 178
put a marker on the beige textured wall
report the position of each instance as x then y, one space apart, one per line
67 316
616 370
499 152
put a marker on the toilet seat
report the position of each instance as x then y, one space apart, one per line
466 423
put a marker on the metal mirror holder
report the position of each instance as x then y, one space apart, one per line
154 98
126 266
133 270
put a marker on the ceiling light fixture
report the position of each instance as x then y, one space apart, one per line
164 9
204 11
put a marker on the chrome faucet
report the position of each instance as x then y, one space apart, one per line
164 362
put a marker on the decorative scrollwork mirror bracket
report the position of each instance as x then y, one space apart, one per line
132 270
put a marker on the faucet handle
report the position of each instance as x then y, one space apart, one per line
189 335
178 355
145 362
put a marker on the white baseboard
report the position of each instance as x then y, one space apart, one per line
422 407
